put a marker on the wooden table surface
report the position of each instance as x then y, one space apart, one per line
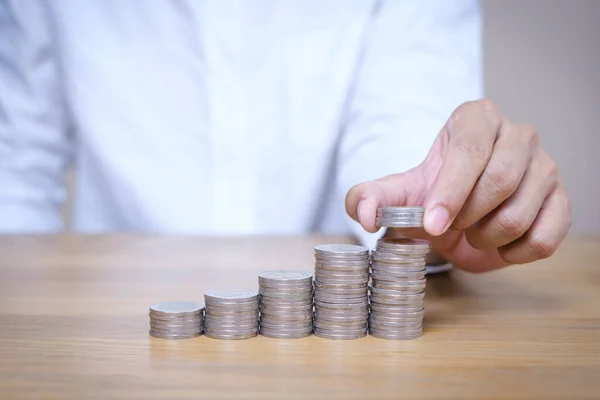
74 324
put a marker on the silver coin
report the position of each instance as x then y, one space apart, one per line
279 335
382 317
389 224
339 329
339 336
341 324
338 298
325 276
286 327
176 326
361 290
405 335
179 308
187 331
349 317
269 319
340 286
346 311
286 276
393 274
339 318
402 309
230 295
301 295
382 293
275 304
406 275
282 302
413 286
387 256
395 326
224 332
287 308
342 267
231 322
177 319
172 336
343 249
286 287
404 243
284 314
387 278
398 217
349 304
220 336
403 252
399 220
230 328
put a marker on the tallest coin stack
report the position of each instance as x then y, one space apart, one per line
398 272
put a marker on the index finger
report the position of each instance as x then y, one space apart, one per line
471 132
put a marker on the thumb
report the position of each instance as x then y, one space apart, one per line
403 189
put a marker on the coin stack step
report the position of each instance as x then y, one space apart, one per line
231 313
399 217
398 288
286 304
176 319
341 291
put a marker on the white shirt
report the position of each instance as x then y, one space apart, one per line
224 116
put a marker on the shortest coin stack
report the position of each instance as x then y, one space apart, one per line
398 288
400 217
286 304
231 313
176 319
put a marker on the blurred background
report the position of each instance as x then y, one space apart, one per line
542 66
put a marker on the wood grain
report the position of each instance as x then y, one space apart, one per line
73 324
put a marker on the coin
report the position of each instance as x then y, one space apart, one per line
340 335
176 319
177 308
396 335
231 314
285 335
173 336
222 336
286 303
397 289
231 295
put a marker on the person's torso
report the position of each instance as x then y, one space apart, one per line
208 116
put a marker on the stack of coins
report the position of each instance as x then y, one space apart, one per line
176 319
231 313
399 217
398 288
341 291
286 304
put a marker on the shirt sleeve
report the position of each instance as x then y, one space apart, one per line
33 141
420 60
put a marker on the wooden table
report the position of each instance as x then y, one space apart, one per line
74 320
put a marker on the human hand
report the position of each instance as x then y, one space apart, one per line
492 195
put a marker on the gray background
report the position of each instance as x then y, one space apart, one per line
542 66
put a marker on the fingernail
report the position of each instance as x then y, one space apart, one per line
437 221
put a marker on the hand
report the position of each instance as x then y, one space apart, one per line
492 195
